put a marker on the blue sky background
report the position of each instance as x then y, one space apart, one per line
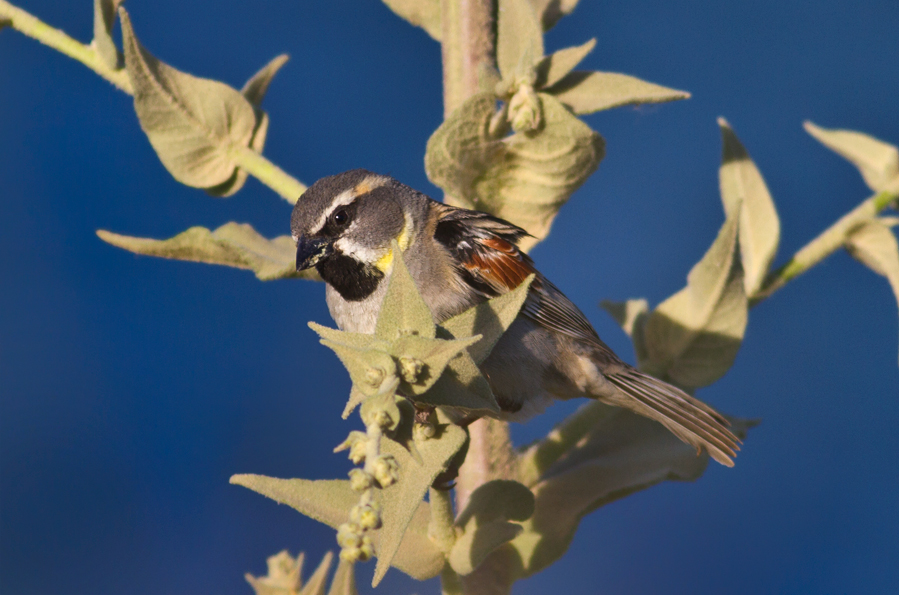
131 388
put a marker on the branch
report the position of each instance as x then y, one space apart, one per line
252 162
830 240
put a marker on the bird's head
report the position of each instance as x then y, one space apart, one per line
344 225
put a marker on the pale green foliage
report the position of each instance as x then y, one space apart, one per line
693 337
104 18
285 577
873 244
192 123
743 188
631 315
235 245
485 522
877 161
527 176
588 92
421 13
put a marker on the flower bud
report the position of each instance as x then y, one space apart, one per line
386 470
524 109
410 368
349 535
367 549
367 516
360 480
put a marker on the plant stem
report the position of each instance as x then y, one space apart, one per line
468 42
829 241
255 164
34 28
287 187
441 529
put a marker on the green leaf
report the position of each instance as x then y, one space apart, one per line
488 319
485 522
344 581
233 244
519 38
877 161
365 366
254 91
421 13
104 19
524 178
550 11
631 316
586 92
284 575
434 355
621 453
874 245
742 187
329 502
403 311
556 66
399 502
194 124
316 583
692 338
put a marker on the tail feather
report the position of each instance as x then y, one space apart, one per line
688 418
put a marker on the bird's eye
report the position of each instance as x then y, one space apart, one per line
341 217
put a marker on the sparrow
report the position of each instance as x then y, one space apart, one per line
345 226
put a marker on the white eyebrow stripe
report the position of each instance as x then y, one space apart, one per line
348 196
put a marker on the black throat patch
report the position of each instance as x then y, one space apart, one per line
353 280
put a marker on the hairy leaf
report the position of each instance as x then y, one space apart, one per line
877 161
104 19
519 38
550 11
400 502
692 338
524 178
193 123
316 583
553 68
403 311
874 245
621 453
254 90
284 575
421 13
485 522
329 502
631 316
586 92
488 319
461 386
233 244
344 581
742 187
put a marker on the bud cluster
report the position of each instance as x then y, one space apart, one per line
378 471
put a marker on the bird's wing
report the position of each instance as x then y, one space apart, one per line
490 261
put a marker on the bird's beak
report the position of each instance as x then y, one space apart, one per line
312 250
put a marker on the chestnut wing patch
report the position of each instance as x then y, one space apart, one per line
490 261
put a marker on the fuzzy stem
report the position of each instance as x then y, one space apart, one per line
34 28
255 164
468 41
441 529
829 241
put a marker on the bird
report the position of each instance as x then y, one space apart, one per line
347 225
